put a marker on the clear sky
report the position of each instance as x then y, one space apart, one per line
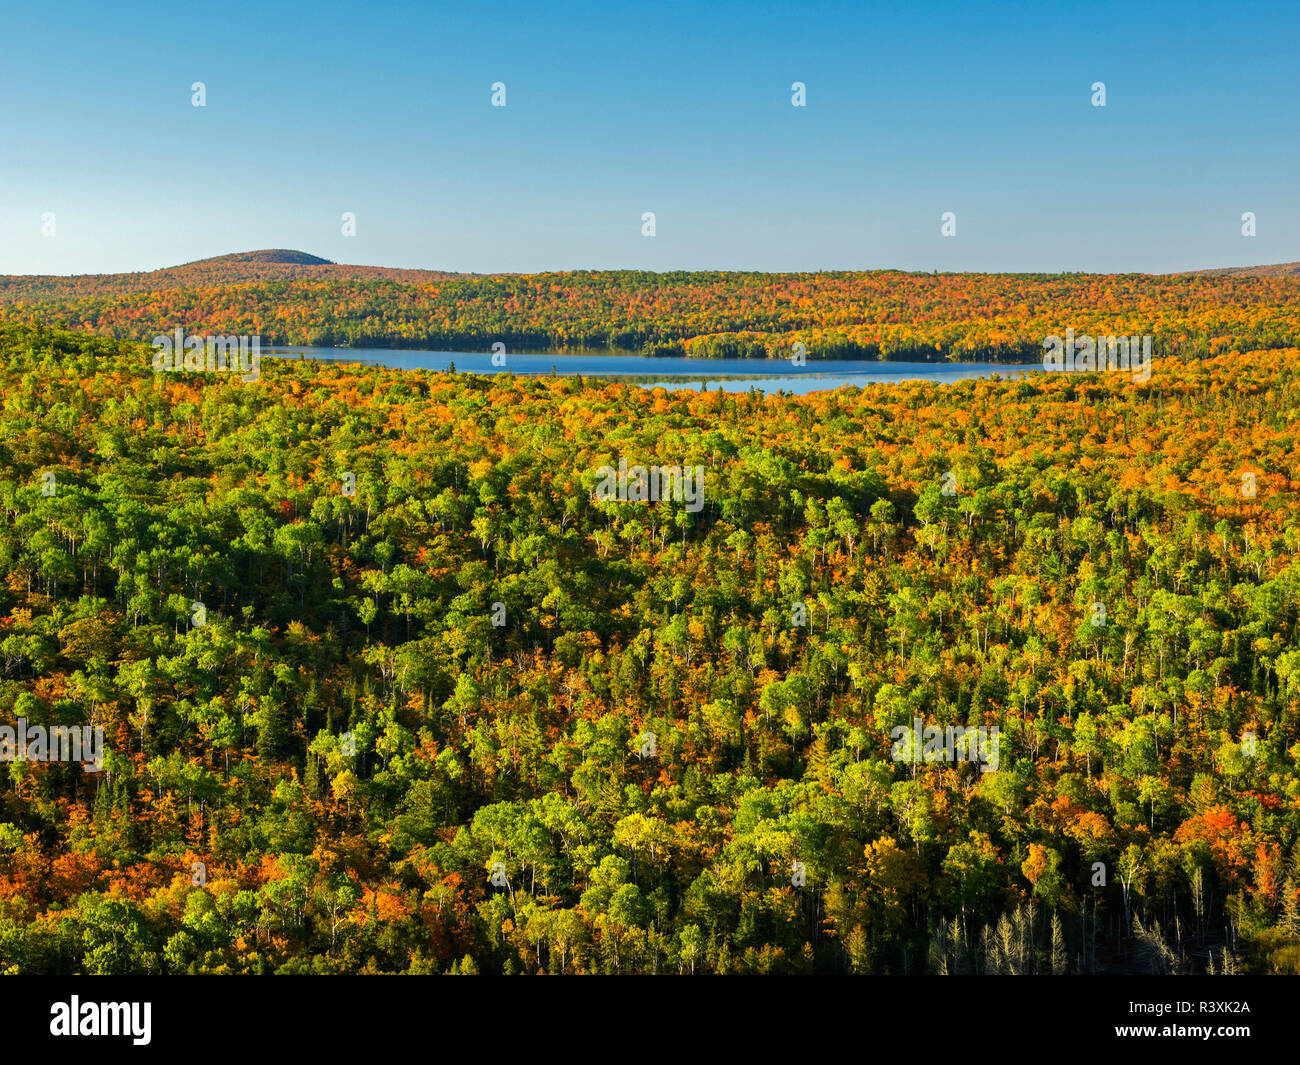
614 109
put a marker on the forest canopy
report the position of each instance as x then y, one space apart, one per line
407 732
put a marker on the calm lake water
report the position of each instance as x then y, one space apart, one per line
731 375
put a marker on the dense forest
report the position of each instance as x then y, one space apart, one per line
444 710
293 298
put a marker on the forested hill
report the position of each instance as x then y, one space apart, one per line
1272 270
292 298
240 268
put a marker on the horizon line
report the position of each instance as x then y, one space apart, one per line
635 269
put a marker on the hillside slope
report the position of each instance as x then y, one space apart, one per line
238 268
1273 270
294 298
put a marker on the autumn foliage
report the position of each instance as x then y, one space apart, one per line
348 767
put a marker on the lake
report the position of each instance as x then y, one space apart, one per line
731 375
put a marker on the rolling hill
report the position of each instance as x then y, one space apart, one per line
290 297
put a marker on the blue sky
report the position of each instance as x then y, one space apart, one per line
384 109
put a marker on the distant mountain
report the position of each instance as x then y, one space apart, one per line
268 255
1276 270
245 267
